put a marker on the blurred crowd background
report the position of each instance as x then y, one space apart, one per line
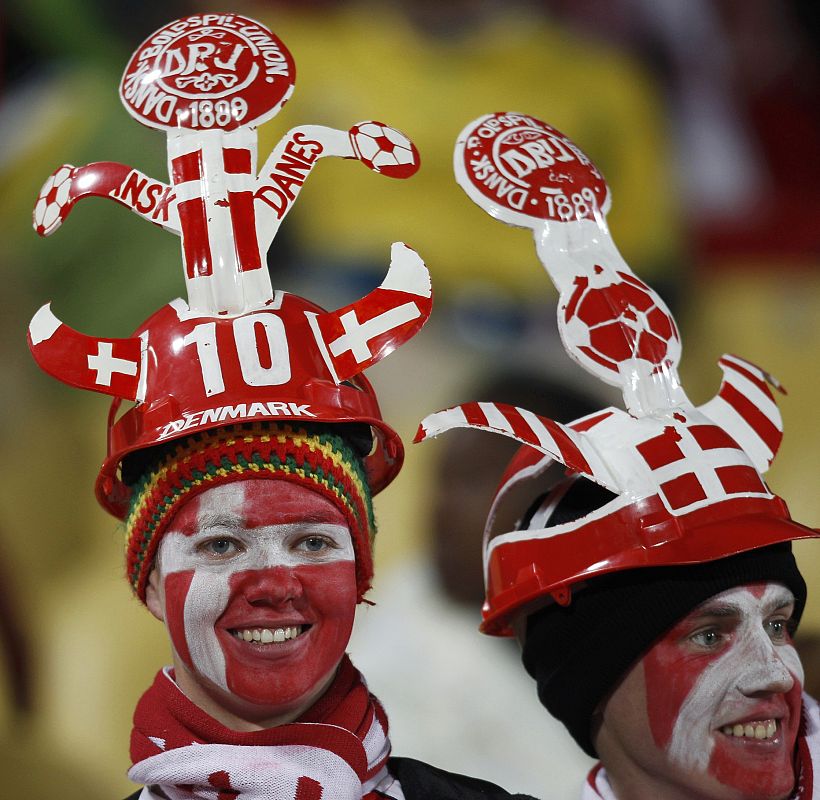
703 116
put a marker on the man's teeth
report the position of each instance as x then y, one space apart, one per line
268 635
764 729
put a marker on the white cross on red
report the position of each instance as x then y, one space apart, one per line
358 335
689 469
105 364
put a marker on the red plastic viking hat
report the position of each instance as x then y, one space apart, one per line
236 350
687 479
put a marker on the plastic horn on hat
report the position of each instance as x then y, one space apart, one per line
687 480
208 81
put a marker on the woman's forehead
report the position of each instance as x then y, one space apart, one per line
256 503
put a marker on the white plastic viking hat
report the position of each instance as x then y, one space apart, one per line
687 480
236 350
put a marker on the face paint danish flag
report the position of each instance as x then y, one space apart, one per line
686 481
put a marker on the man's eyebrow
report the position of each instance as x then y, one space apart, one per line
718 610
780 601
722 610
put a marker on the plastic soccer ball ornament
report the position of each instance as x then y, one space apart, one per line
384 149
53 205
619 322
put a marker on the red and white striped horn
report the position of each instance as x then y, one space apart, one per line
357 336
109 366
556 440
745 408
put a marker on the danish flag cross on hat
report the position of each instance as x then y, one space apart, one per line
208 81
236 351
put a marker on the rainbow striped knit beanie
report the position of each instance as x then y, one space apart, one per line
313 456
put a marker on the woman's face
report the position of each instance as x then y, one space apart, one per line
255 581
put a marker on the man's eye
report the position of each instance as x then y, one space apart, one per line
708 638
779 630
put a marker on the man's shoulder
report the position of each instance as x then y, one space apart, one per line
420 780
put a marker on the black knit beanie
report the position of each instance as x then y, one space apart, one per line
578 653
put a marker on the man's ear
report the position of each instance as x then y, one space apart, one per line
152 595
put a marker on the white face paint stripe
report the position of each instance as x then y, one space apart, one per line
207 598
753 660
208 595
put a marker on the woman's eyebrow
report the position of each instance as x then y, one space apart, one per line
227 520
318 518
219 519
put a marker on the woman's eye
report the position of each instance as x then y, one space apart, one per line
220 547
315 544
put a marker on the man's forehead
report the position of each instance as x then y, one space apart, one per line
250 504
764 596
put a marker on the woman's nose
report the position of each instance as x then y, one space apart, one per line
268 586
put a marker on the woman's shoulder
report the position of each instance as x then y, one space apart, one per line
420 780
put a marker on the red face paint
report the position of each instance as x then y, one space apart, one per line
177 585
319 597
719 668
262 558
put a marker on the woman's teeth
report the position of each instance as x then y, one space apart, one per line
268 635
764 729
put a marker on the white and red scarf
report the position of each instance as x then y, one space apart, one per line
807 758
337 750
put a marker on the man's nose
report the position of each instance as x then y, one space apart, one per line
269 586
766 672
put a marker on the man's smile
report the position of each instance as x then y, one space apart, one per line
759 730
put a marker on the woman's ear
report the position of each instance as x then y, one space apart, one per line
152 595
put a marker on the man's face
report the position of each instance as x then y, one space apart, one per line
713 709
255 581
